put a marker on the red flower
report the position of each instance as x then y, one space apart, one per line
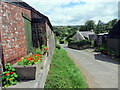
38 55
19 59
46 49
7 74
38 58
30 58
11 72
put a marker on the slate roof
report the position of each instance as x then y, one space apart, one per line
22 4
80 35
86 33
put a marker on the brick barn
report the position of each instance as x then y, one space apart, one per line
21 28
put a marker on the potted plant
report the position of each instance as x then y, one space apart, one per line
9 76
28 67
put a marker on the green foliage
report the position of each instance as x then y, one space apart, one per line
63 72
100 48
83 28
9 76
89 25
102 27
68 31
36 57
64 31
62 41
37 51
58 46
107 51
44 48
30 60
41 51
81 43
70 40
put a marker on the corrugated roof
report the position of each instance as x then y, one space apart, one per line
102 33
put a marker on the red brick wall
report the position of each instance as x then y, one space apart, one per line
13 32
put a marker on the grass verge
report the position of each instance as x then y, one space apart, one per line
64 73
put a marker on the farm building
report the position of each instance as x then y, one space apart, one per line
101 38
82 35
114 38
21 28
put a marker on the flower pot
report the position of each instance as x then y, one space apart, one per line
29 72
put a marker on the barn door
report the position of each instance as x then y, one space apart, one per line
27 23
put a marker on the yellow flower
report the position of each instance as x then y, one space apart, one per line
22 58
10 79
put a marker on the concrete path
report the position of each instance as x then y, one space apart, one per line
100 71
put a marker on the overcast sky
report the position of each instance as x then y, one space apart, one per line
76 12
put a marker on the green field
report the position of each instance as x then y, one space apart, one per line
64 73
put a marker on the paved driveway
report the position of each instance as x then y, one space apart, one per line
100 71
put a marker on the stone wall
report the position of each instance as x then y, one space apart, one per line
50 40
74 46
13 32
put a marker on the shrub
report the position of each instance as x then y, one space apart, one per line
37 51
84 42
101 48
62 42
81 43
58 46
41 51
107 51
70 40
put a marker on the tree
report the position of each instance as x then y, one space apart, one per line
100 27
83 28
90 25
111 24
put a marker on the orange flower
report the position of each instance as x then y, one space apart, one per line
7 74
30 58
38 55
34 61
3 45
46 48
